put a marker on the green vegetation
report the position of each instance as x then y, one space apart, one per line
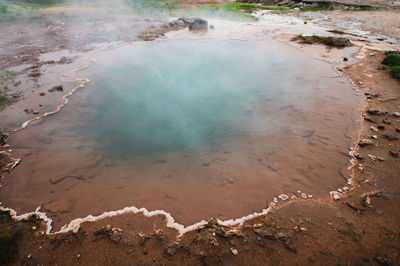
4 77
316 9
228 10
392 63
241 7
8 247
3 9
2 97
155 4
11 11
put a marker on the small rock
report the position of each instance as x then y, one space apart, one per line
396 114
374 137
358 156
172 249
345 230
389 137
198 24
212 27
234 251
365 142
35 112
370 119
283 197
397 129
34 74
58 88
381 127
373 129
376 111
386 121
394 154
42 94
345 59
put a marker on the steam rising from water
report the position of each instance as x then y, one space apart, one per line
198 129
177 96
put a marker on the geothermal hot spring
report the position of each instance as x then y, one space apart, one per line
199 128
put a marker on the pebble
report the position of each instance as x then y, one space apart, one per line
283 196
370 119
234 251
365 142
374 136
386 121
394 154
376 111
396 114
304 195
389 137
335 195
374 129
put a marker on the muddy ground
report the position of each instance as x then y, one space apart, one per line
363 227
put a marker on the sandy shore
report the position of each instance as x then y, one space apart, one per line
360 227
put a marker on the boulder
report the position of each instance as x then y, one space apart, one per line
198 24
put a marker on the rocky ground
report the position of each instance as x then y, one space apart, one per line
360 227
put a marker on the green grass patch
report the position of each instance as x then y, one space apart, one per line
392 60
392 63
162 5
6 76
2 97
11 11
316 9
8 247
3 9
240 11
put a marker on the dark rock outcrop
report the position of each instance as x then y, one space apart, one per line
198 24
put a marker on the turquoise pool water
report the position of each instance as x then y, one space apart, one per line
199 128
